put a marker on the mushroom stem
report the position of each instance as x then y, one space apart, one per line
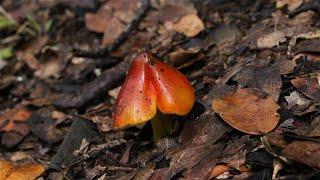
162 125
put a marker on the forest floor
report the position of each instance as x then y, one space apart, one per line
254 66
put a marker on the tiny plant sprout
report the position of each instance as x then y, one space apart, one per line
151 91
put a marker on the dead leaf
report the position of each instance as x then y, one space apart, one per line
305 152
9 117
297 103
313 35
113 31
208 127
203 168
306 48
44 127
247 110
315 127
51 68
308 86
265 78
97 22
190 25
111 18
217 170
186 158
13 123
292 4
272 39
32 48
11 138
224 34
234 154
5 169
9 171
29 58
174 12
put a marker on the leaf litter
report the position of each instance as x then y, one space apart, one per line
254 66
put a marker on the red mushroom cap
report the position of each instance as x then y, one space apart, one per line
152 84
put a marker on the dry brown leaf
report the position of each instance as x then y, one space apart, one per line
190 25
10 116
217 170
272 39
308 86
305 152
97 22
51 68
292 4
112 18
9 171
112 31
28 54
248 110
5 169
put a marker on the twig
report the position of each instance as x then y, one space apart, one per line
94 152
7 15
109 79
121 168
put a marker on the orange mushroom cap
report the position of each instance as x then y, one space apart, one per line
152 84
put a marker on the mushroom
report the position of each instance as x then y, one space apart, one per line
152 86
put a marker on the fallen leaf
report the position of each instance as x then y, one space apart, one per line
224 34
190 25
203 168
44 127
97 22
234 153
5 169
298 104
247 110
51 68
112 31
266 78
11 138
174 12
272 39
31 49
305 152
186 158
9 117
259 158
9 171
79 130
315 128
312 35
308 86
217 170
208 127
112 18
291 4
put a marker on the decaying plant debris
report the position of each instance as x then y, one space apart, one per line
254 66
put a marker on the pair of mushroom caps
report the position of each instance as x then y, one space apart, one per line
150 85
